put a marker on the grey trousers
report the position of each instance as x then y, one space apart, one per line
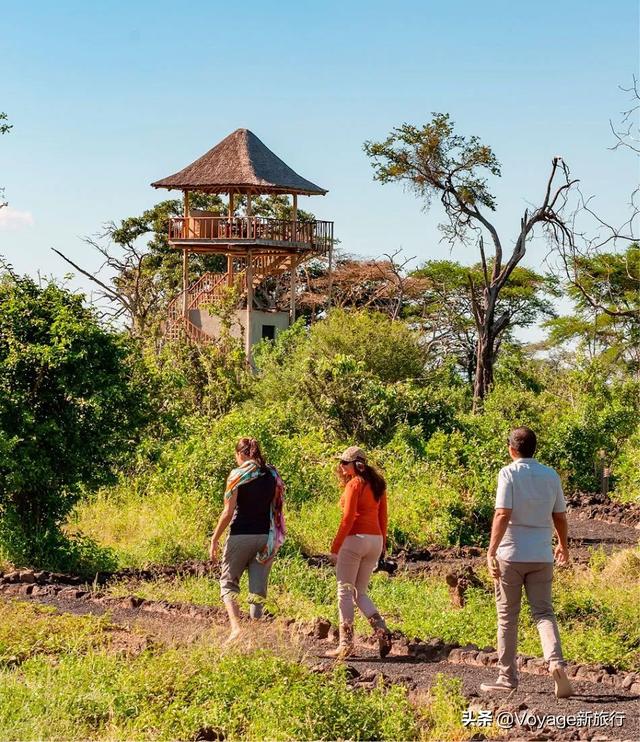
239 555
536 578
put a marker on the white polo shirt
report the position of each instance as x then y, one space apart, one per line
533 492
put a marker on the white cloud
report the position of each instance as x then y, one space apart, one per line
13 219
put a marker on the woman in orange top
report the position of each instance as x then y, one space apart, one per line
361 539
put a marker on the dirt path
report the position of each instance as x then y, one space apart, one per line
187 624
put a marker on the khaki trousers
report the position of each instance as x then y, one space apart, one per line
536 578
239 555
357 559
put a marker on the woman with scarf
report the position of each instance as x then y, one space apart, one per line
254 508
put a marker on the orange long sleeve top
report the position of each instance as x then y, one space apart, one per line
361 513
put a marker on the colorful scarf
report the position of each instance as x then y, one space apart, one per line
246 473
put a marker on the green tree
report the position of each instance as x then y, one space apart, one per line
605 323
443 300
434 161
69 412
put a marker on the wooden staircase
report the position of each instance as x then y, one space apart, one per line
211 287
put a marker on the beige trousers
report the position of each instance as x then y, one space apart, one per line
536 577
357 559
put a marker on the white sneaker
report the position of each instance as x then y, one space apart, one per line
499 685
564 689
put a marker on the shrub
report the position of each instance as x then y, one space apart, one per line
69 412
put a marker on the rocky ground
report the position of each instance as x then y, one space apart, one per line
413 662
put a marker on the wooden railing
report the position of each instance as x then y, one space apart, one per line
316 235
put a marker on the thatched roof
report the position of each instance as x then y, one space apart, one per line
243 164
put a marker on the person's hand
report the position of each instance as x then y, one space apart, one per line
493 566
213 551
561 555
334 558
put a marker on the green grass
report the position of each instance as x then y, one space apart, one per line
175 693
70 685
27 630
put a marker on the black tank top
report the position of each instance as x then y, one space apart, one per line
253 506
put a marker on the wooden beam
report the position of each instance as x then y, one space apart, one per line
231 208
186 214
294 217
229 270
185 282
247 333
330 277
292 310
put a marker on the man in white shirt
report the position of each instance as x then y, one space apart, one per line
529 504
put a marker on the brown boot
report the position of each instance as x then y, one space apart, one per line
382 634
345 645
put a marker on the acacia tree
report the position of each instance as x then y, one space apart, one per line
4 129
606 317
444 307
434 161
383 285
603 281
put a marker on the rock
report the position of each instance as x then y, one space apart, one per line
41 577
488 659
27 576
455 656
71 593
635 689
12 576
321 628
25 589
131 601
351 672
537 667
434 651
12 589
208 734
469 657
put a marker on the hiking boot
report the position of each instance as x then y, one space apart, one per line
501 685
564 689
345 644
382 634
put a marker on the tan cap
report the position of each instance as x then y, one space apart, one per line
353 453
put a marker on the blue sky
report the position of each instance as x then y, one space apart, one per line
107 97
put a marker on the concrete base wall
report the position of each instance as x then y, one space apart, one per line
210 324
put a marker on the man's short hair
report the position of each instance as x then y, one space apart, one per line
523 440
